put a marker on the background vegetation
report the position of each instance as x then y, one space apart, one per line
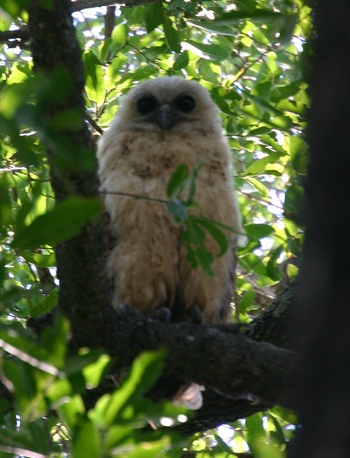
252 56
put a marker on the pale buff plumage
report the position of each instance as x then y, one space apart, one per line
137 155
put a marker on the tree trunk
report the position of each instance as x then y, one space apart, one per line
83 294
323 308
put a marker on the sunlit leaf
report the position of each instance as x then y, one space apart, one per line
246 301
143 374
72 410
259 186
94 77
85 440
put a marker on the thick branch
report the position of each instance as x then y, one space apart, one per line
241 376
258 371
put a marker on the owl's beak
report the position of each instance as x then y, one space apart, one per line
166 117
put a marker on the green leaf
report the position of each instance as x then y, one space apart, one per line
143 374
258 231
287 30
177 180
21 377
258 185
119 37
246 301
255 432
172 35
84 361
197 253
219 237
294 201
259 15
14 7
95 371
211 51
72 410
258 166
154 16
299 154
85 440
5 202
113 45
272 270
210 27
45 305
94 77
205 259
292 271
178 210
39 259
193 180
181 61
61 223
26 351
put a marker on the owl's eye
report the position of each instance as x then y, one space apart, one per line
146 105
186 103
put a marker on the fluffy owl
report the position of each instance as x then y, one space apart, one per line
163 123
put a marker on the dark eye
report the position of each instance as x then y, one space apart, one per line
186 103
146 105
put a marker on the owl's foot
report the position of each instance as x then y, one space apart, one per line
162 314
127 311
195 315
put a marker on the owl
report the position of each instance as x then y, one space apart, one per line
162 124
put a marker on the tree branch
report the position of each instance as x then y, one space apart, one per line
257 371
241 376
15 37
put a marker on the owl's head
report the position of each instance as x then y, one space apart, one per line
168 104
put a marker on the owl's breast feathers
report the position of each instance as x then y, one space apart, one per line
148 266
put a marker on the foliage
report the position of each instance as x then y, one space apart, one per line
250 56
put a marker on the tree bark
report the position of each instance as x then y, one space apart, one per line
323 306
242 375
83 294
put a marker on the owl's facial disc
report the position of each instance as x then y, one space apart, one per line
167 114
